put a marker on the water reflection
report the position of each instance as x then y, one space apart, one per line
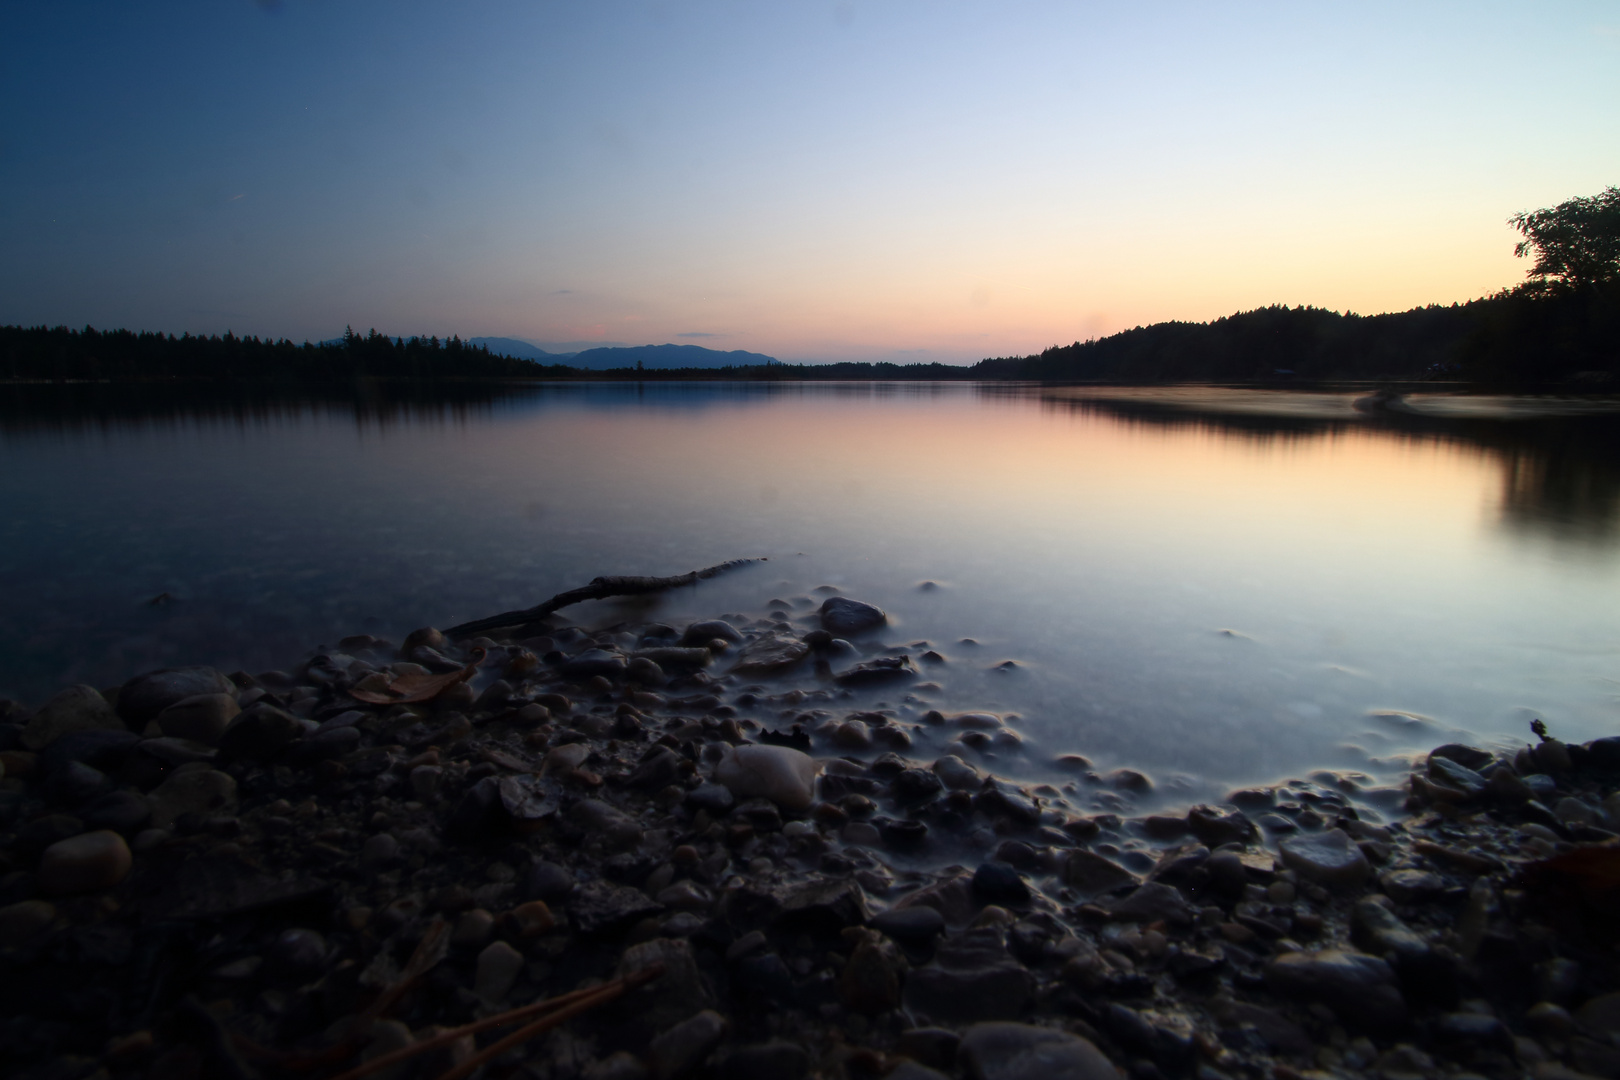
1559 461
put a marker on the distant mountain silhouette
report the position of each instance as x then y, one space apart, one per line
665 357
522 350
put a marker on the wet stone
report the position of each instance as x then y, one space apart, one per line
785 776
1359 988
259 734
1411 886
1006 1051
1153 902
498 968
74 783
142 698
1330 859
201 718
776 1060
1091 875
602 908
916 785
191 790
998 883
842 616
120 811
972 977
1215 827
913 925
86 863
715 798
22 922
679 1050
78 708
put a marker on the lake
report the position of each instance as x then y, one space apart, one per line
1213 586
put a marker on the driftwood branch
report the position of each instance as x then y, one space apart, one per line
599 589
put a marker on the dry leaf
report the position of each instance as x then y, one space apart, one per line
403 689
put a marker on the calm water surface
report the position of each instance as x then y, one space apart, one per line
1212 586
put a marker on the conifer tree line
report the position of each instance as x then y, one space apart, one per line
59 353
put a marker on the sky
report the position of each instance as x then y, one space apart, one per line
894 180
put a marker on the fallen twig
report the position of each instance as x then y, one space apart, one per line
599 589
557 1010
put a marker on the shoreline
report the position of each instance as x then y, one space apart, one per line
206 871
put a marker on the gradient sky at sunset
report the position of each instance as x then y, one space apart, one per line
897 180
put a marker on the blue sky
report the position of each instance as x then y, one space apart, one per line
816 181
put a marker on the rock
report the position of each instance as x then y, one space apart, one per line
479 815
298 951
1601 1015
1152 903
378 851
21 923
1004 1051
327 745
550 882
913 926
619 1065
826 904
498 968
201 718
1129 780
1359 988
916 785
972 977
42 832
259 733
78 708
785 776
472 929
674 996
870 982
682 1048
86 863
912 1070
776 1060
592 662
387 1037
1411 886
842 617
957 774
769 655
1376 929
142 698
715 798
601 908
189 790
1330 859
934 1047
1572 812
1603 755
100 748
618 830
675 658
74 783
1091 875
1445 771
1216 827
701 633
1227 874
532 919
1469 757
425 781
884 669
645 671
998 883
122 812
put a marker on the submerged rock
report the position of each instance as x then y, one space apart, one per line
785 776
841 616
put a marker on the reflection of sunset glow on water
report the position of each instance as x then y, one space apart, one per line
1458 569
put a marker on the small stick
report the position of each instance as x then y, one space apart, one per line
570 1005
599 589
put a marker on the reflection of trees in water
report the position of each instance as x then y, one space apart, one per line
1560 474
34 407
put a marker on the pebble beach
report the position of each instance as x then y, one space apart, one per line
754 847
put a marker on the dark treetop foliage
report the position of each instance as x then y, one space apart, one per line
1576 243
59 353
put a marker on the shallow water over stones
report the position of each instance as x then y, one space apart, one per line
1209 598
